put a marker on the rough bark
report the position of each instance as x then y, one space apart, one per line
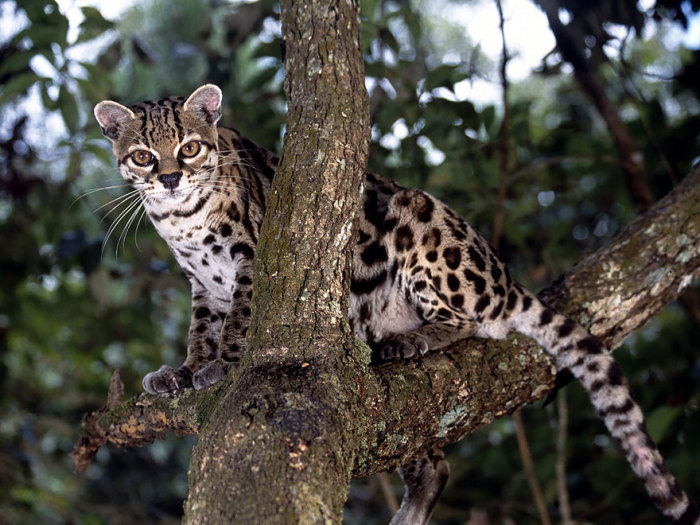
274 449
389 412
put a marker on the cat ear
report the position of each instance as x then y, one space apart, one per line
113 118
205 102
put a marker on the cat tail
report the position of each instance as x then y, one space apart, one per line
574 348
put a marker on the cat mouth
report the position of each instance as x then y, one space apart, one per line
173 195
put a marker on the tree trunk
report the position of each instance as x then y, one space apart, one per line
275 449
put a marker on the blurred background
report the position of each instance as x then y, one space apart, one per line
585 137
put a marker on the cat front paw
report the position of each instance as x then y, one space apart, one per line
402 346
166 379
211 373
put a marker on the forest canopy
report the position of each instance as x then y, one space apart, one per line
549 165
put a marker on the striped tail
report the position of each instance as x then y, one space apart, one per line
573 347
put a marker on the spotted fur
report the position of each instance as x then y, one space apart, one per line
422 277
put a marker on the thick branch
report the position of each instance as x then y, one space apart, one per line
437 400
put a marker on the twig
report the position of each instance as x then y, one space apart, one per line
529 468
504 140
562 491
389 496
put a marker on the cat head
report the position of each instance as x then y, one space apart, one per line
167 149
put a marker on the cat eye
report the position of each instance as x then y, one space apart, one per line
191 149
142 157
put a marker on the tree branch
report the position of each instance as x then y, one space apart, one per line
397 409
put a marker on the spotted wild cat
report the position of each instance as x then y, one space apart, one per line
422 277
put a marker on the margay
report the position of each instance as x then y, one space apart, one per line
422 277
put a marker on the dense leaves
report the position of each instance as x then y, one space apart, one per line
88 287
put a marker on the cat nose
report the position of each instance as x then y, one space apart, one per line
170 180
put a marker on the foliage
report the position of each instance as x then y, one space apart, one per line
72 309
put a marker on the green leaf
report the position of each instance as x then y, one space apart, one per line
48 102
102 153
661 420
94 24
18 86
17 62
69 109
445 75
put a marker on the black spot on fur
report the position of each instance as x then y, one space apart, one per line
444 314
243 249
618 409
425 212
457 300
512 300
546 317
216 249
404 239
497 311
482 303
420 285
245 280
499 290
362 237
615 374
566 327
403 200
225 230
202 312
388 225
478 280
597 385
373 213
453 256
452 282
373 254
527 303
431 256
590 345
476 258
209 239
365 286
433 237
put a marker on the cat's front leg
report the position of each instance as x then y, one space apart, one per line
232 340
202 345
